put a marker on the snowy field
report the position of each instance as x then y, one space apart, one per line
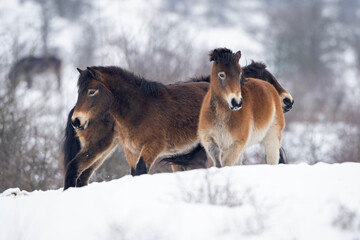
246 202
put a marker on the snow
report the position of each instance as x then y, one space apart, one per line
300 201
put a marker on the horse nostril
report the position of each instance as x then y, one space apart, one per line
287 101
233 102
76 123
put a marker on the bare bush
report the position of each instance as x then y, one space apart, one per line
304 50
163 52
210 191
347 219
348 149
29 156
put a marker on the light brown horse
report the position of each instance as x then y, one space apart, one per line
238 112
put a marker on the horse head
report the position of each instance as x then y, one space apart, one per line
94 98
227 77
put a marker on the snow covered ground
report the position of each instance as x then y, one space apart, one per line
321 201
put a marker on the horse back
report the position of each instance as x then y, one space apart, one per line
175 115
262 102
258 70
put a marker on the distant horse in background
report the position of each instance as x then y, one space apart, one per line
238 112
91 140
30 66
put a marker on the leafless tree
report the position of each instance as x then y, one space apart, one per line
301 45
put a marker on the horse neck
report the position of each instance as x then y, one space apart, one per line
129 101
218 105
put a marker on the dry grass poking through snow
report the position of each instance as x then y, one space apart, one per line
347 219
211 188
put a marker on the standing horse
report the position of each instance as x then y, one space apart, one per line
153 119
238 112
81 142
30 66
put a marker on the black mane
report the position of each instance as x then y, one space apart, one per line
255 69
258 70
200 79
149 88
223 56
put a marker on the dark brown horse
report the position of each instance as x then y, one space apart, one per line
153 119
97 135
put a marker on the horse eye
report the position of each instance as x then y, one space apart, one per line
91 92
221 75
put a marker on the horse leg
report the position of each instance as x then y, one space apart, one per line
213 150
84 177
147 157
29 81
283 158
131 159
177 168
58 77
233 155
82 161
272 144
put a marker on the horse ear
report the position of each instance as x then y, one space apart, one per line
79 70
92 72
238 56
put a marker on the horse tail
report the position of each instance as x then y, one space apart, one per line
71 142
196 158
283 157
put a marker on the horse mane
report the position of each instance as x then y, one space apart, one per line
200 79
147 87
258 70
223 56
227 57
253 70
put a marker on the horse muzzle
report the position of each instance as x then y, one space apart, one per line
235 105
76 123
288 105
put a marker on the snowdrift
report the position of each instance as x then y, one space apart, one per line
253 202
